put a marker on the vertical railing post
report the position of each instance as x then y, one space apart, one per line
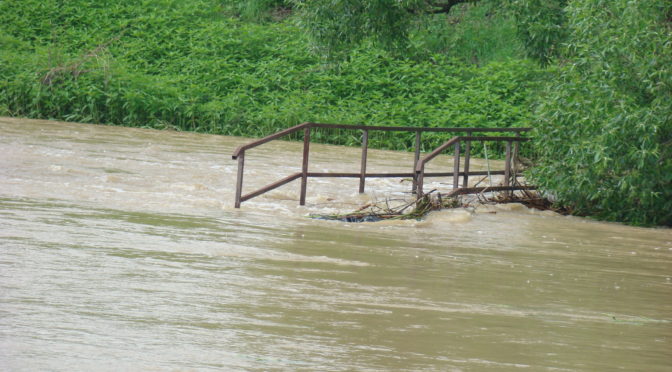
420 177
507 165
304 166
239 179
416 158
456 166
467 157
362 173
516 149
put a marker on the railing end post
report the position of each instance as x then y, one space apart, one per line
304 165
456 165
467 158
239 178
507 164
420 179
362 169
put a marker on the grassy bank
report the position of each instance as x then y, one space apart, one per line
195 65
601 109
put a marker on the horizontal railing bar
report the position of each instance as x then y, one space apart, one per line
272 186
296 128
398 175
453 140
357 175
474 190
261 141
493 138
295 176
471 173
416 129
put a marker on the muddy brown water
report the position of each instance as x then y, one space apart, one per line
121 250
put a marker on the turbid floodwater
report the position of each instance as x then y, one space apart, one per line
120 250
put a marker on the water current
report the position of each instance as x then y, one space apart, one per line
120 250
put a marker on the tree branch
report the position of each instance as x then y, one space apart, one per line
446 6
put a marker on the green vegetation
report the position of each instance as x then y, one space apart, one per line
593 76
605 123
472 31
542 27
196 65
474 34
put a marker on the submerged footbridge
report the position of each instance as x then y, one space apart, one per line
460 144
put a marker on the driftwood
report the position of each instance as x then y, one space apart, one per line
419 208
373 212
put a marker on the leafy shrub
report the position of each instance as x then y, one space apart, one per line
339 25
541 27
605 124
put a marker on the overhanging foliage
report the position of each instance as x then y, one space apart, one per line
605 124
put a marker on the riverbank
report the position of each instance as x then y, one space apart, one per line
601 119
195 66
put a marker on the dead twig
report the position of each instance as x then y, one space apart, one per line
76 68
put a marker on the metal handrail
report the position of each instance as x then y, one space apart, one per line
239 154
241 149
296 128
455 141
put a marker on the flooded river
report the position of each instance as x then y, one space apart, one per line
120 250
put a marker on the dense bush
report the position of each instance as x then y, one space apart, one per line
337 26
605 124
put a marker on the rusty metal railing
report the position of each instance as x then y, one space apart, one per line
455 142
418 174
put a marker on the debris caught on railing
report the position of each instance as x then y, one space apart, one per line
417 209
